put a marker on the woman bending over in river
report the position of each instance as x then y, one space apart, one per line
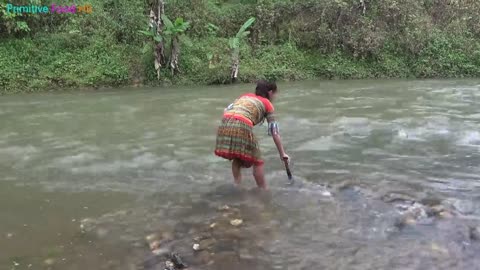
235 138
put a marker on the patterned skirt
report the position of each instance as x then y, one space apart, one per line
235 140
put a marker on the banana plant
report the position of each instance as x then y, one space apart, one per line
169 39
234 44
172 32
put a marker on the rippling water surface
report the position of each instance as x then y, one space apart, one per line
85 176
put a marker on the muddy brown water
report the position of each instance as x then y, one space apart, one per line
132 162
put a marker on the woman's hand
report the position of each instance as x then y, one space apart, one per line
285 157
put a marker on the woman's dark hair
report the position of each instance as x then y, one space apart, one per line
263 87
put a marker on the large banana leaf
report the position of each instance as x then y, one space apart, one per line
167 22
146 33
245 26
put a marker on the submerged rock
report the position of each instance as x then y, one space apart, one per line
203 257
464 207
224 208
49 261
445 214
398 198
437 209
245 254
150 262
86 224
169 265
167 236
431 201
177 261
475 233
439 249
101 232
410 220
160 251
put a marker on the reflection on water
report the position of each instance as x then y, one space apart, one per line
387 171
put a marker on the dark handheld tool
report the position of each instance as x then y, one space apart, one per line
286 161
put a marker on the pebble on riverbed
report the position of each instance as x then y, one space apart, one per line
151 237
224 208
236 222
154 245
437 209
410 221
49 261
439 249
445 214
169 265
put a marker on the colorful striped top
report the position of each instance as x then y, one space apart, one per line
251 109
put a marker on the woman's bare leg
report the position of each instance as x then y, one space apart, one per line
236 171
259 176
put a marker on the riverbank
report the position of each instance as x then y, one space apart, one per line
32 70
287 42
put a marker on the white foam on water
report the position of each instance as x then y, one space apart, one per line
128 109
354 126
171 165
19 152
402 134
321 144
375 152
52 115
8 135
150 135
474 116
146 160
337 171
347 98
469 138
438 126
304 188
58 144
75 159
352 121
46 134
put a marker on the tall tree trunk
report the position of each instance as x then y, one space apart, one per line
156 21
175 55
235 66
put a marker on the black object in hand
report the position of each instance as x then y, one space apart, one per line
287 168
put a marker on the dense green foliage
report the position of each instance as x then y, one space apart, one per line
289 40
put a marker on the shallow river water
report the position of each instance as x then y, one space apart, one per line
387 177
